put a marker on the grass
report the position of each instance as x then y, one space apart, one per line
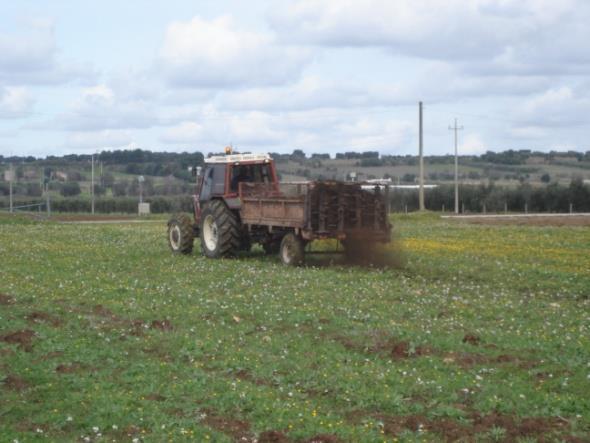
483 334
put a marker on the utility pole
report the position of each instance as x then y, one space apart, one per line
92 186
421 153
10 177
456 128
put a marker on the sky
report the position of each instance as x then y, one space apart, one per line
324 76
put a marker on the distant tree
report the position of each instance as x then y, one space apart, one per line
545 178
298 154
70 189
120 188
409 178
99 190
108 180
34 190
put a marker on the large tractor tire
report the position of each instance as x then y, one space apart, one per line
180 234
292 250
220 230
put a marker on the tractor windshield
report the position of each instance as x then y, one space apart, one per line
254 173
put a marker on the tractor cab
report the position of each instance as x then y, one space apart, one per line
222 175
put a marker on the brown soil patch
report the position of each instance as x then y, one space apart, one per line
42 317
6 351
155 397
389 346
450 430
471 339
468 360
162 325
323 438
573 220
239 430
6 299
273 437
21 338
15 383
244 375
101 311
70 368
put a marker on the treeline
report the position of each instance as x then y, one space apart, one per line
551 198
139 161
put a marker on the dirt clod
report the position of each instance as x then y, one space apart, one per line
70 368
6 299
15 383
42 317
273 437
162 325
323 438
239 430
471 339
21 338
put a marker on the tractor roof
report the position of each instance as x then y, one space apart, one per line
239 158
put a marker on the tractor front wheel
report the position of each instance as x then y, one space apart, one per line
292 250
180 234
220 230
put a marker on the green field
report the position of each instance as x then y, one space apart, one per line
482 335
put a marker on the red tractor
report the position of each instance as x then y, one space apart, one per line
239 201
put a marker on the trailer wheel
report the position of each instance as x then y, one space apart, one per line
292 250
220 230
180 234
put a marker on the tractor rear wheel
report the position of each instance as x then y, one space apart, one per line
180 234
292 250
220 230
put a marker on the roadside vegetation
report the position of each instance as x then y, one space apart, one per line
477 332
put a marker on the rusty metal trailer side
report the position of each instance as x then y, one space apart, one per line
316 209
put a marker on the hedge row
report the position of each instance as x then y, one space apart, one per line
551 198
109 205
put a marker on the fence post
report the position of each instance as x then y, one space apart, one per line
484 208
48 204
571 208
526 208
462 208
443 208
406 208
505 208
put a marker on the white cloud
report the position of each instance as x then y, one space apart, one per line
15 102
563 106
32 58
472 144
485 36
184 133
314 92
212 54
98 108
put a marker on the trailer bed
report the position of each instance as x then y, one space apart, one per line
319 209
